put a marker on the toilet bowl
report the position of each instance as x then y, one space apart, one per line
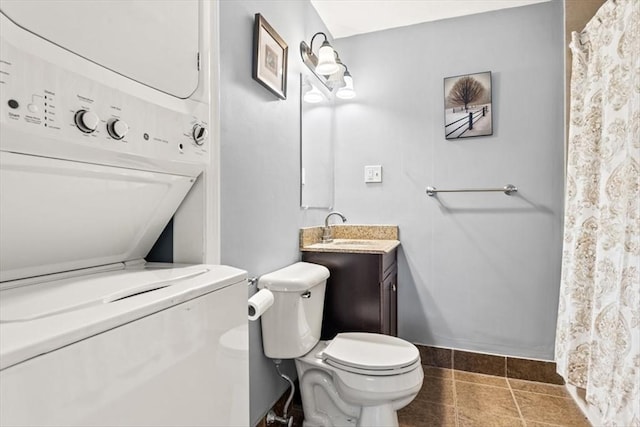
359 379
347 387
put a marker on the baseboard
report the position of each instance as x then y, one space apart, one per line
490 364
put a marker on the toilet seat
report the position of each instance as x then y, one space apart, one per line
371 354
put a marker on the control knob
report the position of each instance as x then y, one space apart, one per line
199 134
117 128
86 121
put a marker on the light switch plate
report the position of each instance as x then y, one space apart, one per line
373 173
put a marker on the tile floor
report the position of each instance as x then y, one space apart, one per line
462 399
453 398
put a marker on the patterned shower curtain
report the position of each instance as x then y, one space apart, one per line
598 334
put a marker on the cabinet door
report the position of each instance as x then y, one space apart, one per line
352 298
388 304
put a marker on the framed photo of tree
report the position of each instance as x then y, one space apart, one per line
467 106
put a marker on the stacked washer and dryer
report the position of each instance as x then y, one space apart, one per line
104 111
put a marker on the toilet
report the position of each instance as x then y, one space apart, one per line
357 378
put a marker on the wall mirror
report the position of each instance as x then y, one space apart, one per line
316 143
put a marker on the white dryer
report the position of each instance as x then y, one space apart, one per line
96 156
154 42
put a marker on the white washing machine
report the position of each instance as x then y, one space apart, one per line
97 153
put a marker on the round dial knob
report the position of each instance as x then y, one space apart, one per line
199 134
117 128
86 121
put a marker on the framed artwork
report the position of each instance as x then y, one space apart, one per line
467 106
269 58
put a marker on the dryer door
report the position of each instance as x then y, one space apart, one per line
59 215
154 42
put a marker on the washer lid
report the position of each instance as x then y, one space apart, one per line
370 351
51 298
43 317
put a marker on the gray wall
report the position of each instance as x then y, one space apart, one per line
477 271
259 137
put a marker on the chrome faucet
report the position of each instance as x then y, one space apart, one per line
327 236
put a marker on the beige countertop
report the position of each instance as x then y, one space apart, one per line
367 239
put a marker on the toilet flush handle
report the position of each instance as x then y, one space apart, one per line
306 294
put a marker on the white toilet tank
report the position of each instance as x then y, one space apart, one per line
291 327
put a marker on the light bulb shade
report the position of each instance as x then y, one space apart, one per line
313 96
346 92
336 80
326 60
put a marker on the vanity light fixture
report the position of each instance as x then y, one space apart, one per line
329 69
326 59
313 96
336 80
347 91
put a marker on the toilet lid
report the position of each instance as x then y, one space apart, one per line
371 352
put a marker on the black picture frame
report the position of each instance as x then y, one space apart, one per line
468 106
270 58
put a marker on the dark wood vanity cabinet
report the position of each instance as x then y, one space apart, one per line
360 294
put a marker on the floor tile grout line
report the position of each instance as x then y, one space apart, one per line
542 394
479 375
513 396
455 401
455 394
517 416
483 384
534 381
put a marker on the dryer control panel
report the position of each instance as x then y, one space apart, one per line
67 107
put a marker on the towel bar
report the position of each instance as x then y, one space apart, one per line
507 189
